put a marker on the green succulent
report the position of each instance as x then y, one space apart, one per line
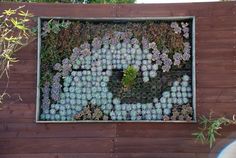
129 76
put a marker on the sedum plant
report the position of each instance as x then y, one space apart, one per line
210 128
54 26
129 76
14 35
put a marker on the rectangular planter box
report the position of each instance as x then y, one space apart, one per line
119 20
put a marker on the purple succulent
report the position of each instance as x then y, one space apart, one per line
106 37
85 52
184 25
57 77
186 35
126 40
168 62
177 56
187 45
177 30
166 68
176 27
152 46
66 67
45 96
157 52
122 35
57 67
96 43
56 87
164 56
145 43
65 61
159 62
186 50
186 56
85 45
134 41
66 71
76 50
177 62
174 24
114 40
156 55
185 30
125 36
73 58
118 35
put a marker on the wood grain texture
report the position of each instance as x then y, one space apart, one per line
21 137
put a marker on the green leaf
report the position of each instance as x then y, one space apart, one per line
18 24
200 136
25 14
9 12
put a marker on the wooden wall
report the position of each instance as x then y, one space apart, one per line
21 137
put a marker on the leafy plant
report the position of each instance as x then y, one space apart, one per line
14 35
129 76
210 128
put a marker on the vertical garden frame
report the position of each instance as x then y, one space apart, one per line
118 19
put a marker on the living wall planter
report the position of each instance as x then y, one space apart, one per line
119 69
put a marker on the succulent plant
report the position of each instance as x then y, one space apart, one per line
120 50
45 99
129 76
145 79
176 27
163 100
166 118
153 74
116 101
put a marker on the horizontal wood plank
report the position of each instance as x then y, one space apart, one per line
82 130
52 145
58 155
164 145
165 155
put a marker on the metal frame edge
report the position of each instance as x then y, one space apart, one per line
120 18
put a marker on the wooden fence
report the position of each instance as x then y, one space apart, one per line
21 137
